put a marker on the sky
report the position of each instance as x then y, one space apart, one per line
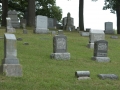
94 16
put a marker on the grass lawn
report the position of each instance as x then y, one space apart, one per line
42 73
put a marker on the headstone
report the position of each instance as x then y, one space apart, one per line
50 23
114 37
14 18
10 63
95 35
108 76
88 29
53 32
24 28
23 21
41 24
60 47
100 51
69 23
78 29
82 75
109 28
83 33
25 43
19 39
9 28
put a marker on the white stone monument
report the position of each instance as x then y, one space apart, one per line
41 24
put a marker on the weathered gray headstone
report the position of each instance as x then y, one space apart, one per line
50 23
60 48
108 76
83 33
24 28
114 37
82 75
9 28
41 24
95 35
100 51
69 23
22 21
14 18
109 28
10 63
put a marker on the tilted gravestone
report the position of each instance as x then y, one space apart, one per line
14 18
60 47
109 28
9 28
41 24
82 75
108 76
100 51
95 35
10 63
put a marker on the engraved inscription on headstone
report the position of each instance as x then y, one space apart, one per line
61 43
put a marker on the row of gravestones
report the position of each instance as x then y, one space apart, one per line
49 22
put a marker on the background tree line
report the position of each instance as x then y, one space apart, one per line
31 8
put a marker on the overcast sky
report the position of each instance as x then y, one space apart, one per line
94 16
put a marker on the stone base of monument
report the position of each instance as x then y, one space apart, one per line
90 45
86 34
108 76
109 31
82 75
101 59
60 56
11 30
41 31
10 61
12 70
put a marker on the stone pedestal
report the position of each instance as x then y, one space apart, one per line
90 45
60 56
10 63
60 47
86 34
101 59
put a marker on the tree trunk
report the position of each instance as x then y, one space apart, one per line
81 21
4 11
118 19
31 13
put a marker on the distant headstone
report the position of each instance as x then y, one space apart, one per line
24 28
100 51
14 18
23 21
19 39
108 76
10 63
78 29
41 24
95 35
88 29
69 23
53 32
109 28
83 33
50 23
9 28
114 37
60 47
82 75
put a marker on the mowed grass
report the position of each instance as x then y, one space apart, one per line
42 73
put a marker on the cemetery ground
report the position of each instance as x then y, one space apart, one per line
42 73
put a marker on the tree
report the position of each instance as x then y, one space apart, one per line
114 6
4 11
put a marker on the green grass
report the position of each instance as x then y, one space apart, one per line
42 73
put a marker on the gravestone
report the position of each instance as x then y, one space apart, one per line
95 35
50 23
69 23
9 28
88 29
108 76
41 24
100 51
14 18
82 75
23 21
114 37
24 28
60 47
109 28
10 63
